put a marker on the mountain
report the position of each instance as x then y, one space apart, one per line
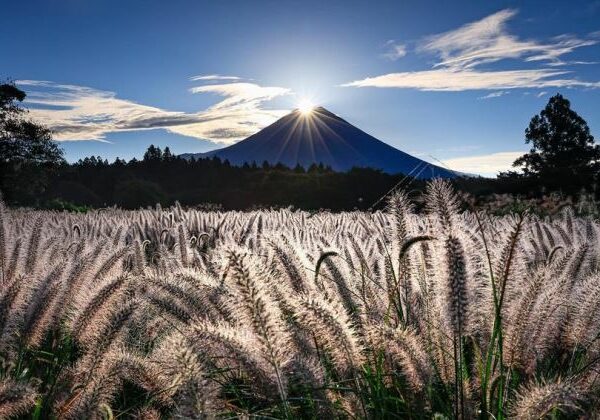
319 136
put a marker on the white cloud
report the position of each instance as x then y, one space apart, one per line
461 51
487 165
494 94
83 113
394 50
481 40
214 77
543 93
241 95
487 40
459 80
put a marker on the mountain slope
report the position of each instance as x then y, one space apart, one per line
322 137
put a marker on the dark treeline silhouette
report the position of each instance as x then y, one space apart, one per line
163 178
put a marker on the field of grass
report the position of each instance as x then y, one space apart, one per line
173 313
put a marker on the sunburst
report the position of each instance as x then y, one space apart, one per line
306 107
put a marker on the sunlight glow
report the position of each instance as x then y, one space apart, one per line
305 107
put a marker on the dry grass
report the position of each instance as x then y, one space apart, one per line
165 313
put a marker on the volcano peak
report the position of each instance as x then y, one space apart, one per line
319 136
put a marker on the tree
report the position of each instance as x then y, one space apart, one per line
167 155
153 154
27 152
23 140
299 169
563 152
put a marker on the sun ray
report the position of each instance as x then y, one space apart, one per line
306 107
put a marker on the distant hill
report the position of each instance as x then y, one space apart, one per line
322 137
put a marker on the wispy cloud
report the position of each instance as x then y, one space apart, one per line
206 77
494 94
84 113
490 164
241 95
488 40
459 80
462 52
394 50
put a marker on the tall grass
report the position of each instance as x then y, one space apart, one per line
174 313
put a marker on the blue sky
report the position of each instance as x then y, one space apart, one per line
453 81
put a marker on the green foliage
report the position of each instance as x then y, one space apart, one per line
60 205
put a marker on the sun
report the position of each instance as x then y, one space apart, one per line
305 107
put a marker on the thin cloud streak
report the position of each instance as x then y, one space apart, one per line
214 77
83 113
462 51
460 80
494 94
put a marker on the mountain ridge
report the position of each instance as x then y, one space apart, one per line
321 136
